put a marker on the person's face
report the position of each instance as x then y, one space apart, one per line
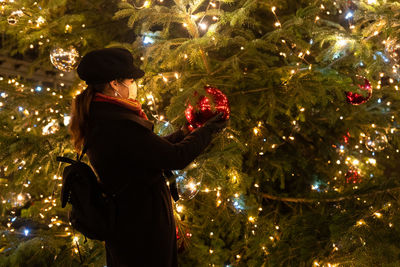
126 88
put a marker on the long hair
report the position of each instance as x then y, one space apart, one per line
79 125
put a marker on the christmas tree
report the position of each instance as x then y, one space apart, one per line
304 175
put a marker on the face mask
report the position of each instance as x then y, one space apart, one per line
132 90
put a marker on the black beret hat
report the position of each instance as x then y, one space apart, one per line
107 64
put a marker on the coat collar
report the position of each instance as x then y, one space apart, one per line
109 111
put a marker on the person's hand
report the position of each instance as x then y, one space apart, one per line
216 123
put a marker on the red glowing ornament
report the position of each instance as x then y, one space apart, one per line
353 176
207 106
357 99
346 138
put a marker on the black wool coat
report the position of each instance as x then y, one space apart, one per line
129 158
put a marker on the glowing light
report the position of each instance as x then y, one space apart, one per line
256 130
361 222
179 208
203 26
341 42
20 197
51 128
314 187
349 15
67 119
147 4
40 20
148 40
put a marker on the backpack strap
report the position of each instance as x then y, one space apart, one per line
65 160
84 150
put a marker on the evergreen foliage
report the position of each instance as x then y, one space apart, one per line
292 181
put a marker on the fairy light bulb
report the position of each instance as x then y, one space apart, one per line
360 222
40 20
203 26
20 197
147 4
341 42
179 208
192 186
256 130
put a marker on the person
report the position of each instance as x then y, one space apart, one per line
129 158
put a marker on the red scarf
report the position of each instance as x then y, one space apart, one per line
131 104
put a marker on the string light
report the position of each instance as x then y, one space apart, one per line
360 222
203 26
146 4
377 214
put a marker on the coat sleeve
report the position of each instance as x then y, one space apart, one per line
175 137
158 153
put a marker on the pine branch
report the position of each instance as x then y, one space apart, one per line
338 199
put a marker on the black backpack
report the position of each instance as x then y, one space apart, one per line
93 210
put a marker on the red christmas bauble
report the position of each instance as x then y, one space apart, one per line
353 176
207 106
357 99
